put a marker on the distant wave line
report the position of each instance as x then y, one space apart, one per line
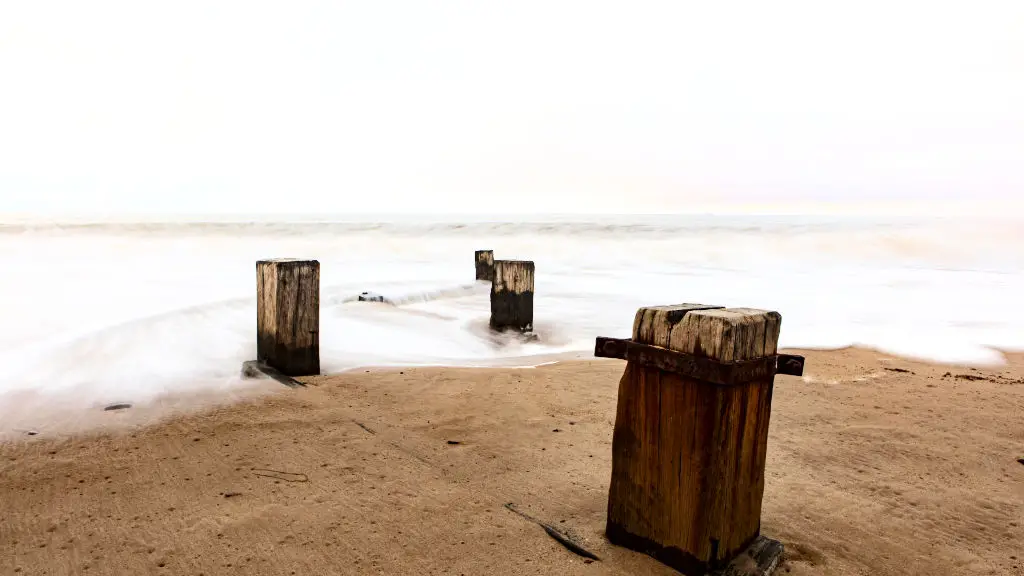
284 229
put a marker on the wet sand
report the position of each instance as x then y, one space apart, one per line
876 465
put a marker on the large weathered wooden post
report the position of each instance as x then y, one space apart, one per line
691 433
512 295
288 315
485 265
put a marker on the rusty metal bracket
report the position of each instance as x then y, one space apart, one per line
706 369
790 364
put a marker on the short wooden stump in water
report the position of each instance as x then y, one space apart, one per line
288 315
484 260
512 295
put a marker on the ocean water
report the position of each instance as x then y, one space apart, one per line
94 313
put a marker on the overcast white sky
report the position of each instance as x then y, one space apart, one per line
220 106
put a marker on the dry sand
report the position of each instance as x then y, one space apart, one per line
876 465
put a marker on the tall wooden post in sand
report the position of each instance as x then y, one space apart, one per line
485 265
288 315
691 432
512 295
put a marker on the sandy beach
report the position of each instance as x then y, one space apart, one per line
876 465
443 211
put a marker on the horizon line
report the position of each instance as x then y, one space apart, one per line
902 209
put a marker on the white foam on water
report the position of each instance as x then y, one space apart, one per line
129 313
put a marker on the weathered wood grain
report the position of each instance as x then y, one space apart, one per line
484 260
288 315
512 295
653 324
688 454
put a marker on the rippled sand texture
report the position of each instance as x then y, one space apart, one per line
876 466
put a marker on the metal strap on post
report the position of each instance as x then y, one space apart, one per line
706 369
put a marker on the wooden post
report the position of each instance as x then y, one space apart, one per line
688 456
512 295
288 315
485 265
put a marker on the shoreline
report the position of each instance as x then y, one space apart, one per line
59 418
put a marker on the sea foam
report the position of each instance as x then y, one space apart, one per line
95 313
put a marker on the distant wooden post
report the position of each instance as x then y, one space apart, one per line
288 315
691 432
485 265
512 295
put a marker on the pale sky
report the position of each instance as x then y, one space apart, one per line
220 106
